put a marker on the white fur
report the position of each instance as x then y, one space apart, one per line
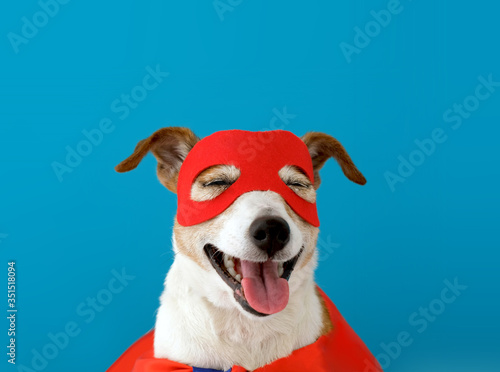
199 322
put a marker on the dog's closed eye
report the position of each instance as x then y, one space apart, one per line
297 184
296 180
218 182
214 181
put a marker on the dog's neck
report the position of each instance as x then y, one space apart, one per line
190 329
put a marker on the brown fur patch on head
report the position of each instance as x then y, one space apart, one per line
170 147
322 147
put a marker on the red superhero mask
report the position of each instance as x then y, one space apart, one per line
259 156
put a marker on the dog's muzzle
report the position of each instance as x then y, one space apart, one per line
261 288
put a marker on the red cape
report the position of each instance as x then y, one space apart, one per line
341 350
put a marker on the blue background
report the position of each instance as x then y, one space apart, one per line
384 253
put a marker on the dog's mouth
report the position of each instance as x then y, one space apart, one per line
261 288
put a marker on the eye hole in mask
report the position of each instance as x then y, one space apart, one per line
296 179
213 181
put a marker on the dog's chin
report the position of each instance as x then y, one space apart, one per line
270 277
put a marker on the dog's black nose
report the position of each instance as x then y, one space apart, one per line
270 234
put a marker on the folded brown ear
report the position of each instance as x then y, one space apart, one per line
170 147
323 146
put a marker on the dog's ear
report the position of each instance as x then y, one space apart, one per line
170 147
323 146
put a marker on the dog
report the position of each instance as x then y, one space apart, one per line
240 294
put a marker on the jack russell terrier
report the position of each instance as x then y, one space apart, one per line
240 294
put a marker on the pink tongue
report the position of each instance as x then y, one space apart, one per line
264 290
